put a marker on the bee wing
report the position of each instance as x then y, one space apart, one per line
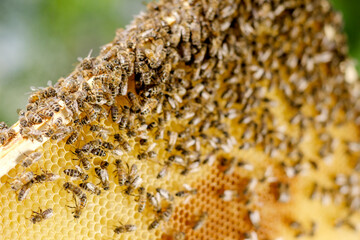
35 156
90 52
34 89
117 151
79 169
52 176
151 147
106 175
26 192
187 187
157 197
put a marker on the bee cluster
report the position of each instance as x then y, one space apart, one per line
177 81
6 133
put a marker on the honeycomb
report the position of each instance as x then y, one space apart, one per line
252 106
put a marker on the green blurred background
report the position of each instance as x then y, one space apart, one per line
40 40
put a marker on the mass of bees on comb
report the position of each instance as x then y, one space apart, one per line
185 98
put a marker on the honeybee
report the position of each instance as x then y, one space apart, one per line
77 173
83 201
152 91
167 115
74 189
87 62
123 87
45 113
134 180
115 115
201 221
117 151
103 175
104 164
140 55
92 112
111 52
82 158
73 137
56 124
33 118
171 102
196 33
7 135
230 166
22 120
124 228
152 154
191 166
25 189
88 186
78 209
176 35
155 58
33 134
107 145
46 177
165 74
141 199
131 133
101 131
153 201
199 57
85 120
98 152
165 215
120 172
34 98
177 159
71 106
132 173
3 126
164 171
165 194
135 105
142 156
185 31
41 215
124 117
88 147
172 140
49 92
21 180
100 96
62 133
124 144
186 192
155 224
85 86
159 134
149 105
211 10
30 159
125 62
186 48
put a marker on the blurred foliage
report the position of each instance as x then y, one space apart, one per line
40 40
350 10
